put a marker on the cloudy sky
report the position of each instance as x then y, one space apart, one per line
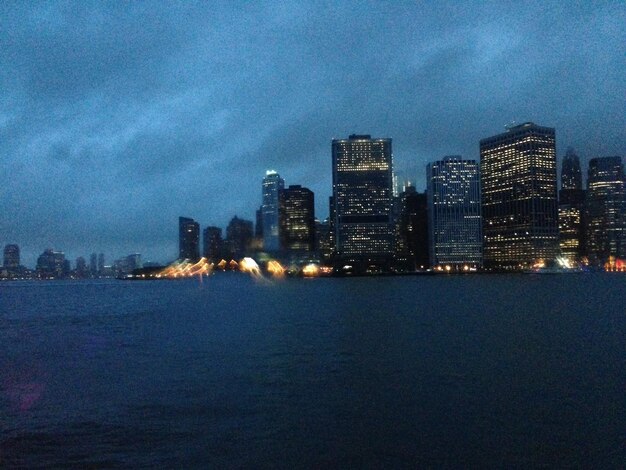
116 118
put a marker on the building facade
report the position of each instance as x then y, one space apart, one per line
11 257
519 197
273 184
606 210
571 209
212 248
412 243
238 237
454 213
363 204
188 239
297 220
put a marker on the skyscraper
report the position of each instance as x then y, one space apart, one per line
93 264
212 240
454 221
297 220
11 257
571 205
518 190
273 184
362 202
239 237
413 250
606 210
188 239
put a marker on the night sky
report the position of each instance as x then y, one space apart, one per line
116 118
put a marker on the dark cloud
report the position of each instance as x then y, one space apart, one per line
116 118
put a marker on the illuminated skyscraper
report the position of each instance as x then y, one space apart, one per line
297 219
606 209
571 204
454 220
273 184
188 239
363 200
518 190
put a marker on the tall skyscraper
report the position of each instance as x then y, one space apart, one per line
93 264
606 210
212 244
363 204
188 239
413 249
273 184
101 264
239 237
52 264
518 190
571 205
297 220
454 222
11 257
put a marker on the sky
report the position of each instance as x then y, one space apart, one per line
118 117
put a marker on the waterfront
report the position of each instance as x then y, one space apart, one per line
493 370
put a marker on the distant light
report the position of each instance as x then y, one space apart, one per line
270 172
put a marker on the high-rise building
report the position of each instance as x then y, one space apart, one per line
239 237
363 204
413 252
52 264
518 190
101 265
212 244
571 205
93 264
188 239
297 220
81 267
273 184
11 257
606 210
454 222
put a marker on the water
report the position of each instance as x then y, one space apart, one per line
493 370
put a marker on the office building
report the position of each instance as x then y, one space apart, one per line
238 237
519 197
297 220
413 251
571 209
101 266
606 210
454 222
188 239
273 184
52 265
363 204
212 244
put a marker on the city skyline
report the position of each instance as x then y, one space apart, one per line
109 131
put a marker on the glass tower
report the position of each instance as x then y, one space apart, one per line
273 184
188 239
571 202
297 219
519 197
362 203
454 213
606 210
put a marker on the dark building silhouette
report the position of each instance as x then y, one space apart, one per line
297 220
93 264
238 237
571 208
412 223
454 220
81 268
363 222
258 226
273 184
52 265
606 210
101 265
519 197
212 244
11 257
188 239
323 241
